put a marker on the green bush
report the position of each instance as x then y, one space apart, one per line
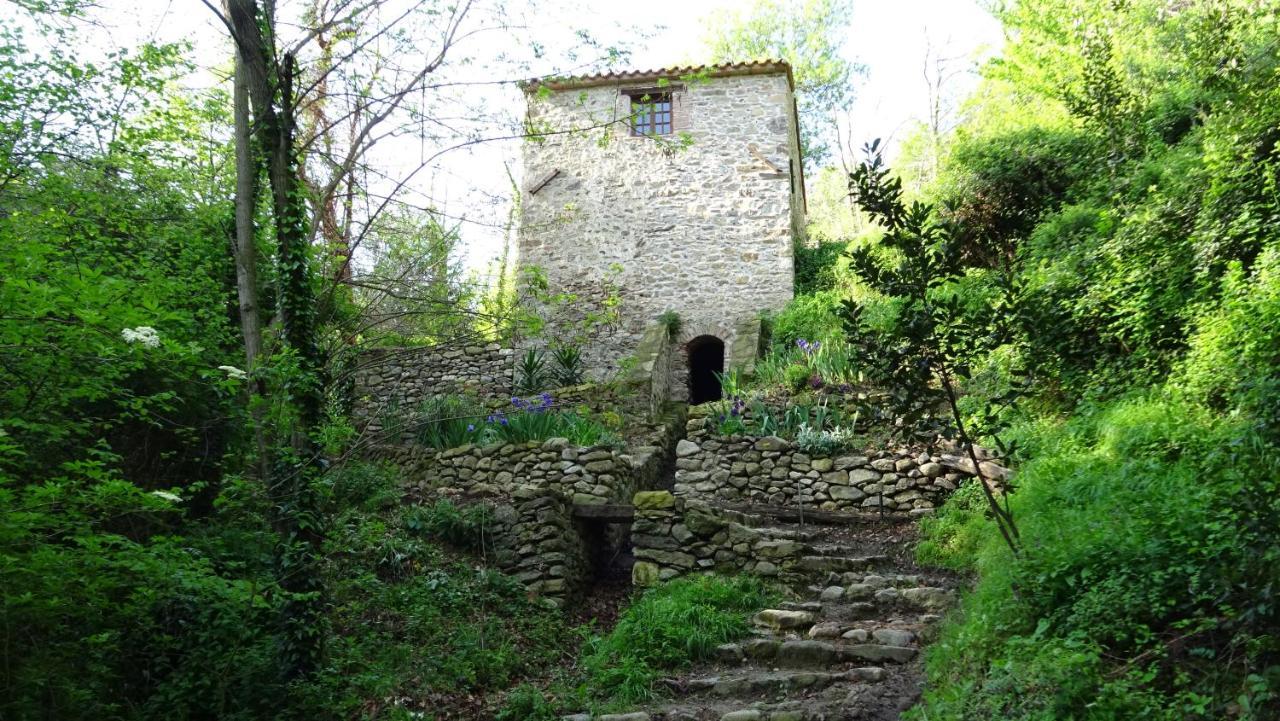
952 538
1000 187
526 703
808 317
1130 182
461 526
410 624
532 374
569 369
536 420
672 323
1153 520
818 267
796 377
453 421
1235 349
823 364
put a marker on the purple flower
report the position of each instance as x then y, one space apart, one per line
739 406
503 420
471 427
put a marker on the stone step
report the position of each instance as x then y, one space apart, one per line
801 621
814 516
810 606
926 598
769 682
834 548
793 710
788 533
785 620
866 633
784 711
793 653
838 564
878 580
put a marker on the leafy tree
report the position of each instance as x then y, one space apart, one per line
117 426
809 35
1117 167
934 343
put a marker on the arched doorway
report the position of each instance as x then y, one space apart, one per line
706 358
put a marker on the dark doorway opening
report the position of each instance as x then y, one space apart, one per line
706 359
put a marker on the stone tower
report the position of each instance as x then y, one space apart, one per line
680 187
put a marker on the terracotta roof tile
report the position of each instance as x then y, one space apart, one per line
754 67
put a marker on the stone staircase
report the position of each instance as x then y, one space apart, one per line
847 646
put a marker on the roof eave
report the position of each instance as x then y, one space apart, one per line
760 67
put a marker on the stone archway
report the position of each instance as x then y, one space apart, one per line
705 358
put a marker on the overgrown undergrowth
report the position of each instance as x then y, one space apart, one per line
1148 582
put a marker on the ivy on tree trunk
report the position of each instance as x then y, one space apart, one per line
296 460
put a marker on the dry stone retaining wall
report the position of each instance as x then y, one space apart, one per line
402 378
533 488
772 470
537 540
675 536
585 476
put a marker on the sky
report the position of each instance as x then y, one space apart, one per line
889 37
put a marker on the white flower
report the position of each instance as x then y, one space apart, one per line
144 334
233 372
171 497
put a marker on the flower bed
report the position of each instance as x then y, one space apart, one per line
450 421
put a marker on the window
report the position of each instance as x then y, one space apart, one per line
651 114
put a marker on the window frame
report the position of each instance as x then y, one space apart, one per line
647 116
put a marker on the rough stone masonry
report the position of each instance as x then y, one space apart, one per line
699 220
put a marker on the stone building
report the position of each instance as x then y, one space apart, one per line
679 188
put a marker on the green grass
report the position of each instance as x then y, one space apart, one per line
666 629
670 627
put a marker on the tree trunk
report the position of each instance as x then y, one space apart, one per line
246 251
296 467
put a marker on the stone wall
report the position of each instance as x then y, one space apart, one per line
705 230
773 471
652 375
537 540
587 476
534 488
402 378
674 536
